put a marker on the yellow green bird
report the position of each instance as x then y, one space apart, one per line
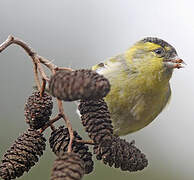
139 79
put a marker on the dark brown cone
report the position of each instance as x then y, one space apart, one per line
121 154
111 149
68 167
38 110
80 84
96 119
22 155
59 141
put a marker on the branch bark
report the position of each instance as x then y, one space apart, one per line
37 61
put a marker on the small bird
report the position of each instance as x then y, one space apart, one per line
139 79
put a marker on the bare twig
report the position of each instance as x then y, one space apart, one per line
35 58
41 70
91 142
42 87
6 43
47 63
68 124
11 40
36 77
63 68
59 116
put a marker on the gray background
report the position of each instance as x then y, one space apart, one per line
80 33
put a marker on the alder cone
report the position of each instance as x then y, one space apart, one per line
69 166
80 84
22 155
59 141
38 110
96 119
121 154
109 148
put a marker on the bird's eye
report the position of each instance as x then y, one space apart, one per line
159 51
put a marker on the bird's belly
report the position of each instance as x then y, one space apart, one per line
132 113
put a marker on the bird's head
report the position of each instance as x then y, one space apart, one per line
153 55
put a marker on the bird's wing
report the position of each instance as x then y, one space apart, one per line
106 67
110 65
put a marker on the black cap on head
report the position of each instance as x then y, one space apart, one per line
170 53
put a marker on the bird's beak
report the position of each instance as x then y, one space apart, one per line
175 63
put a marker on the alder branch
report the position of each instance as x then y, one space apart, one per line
42 87
37 61
59 116
90 142
36 77
41 70
68 124
13 40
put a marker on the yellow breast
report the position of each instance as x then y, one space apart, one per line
132 106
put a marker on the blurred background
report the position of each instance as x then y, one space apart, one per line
79 34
